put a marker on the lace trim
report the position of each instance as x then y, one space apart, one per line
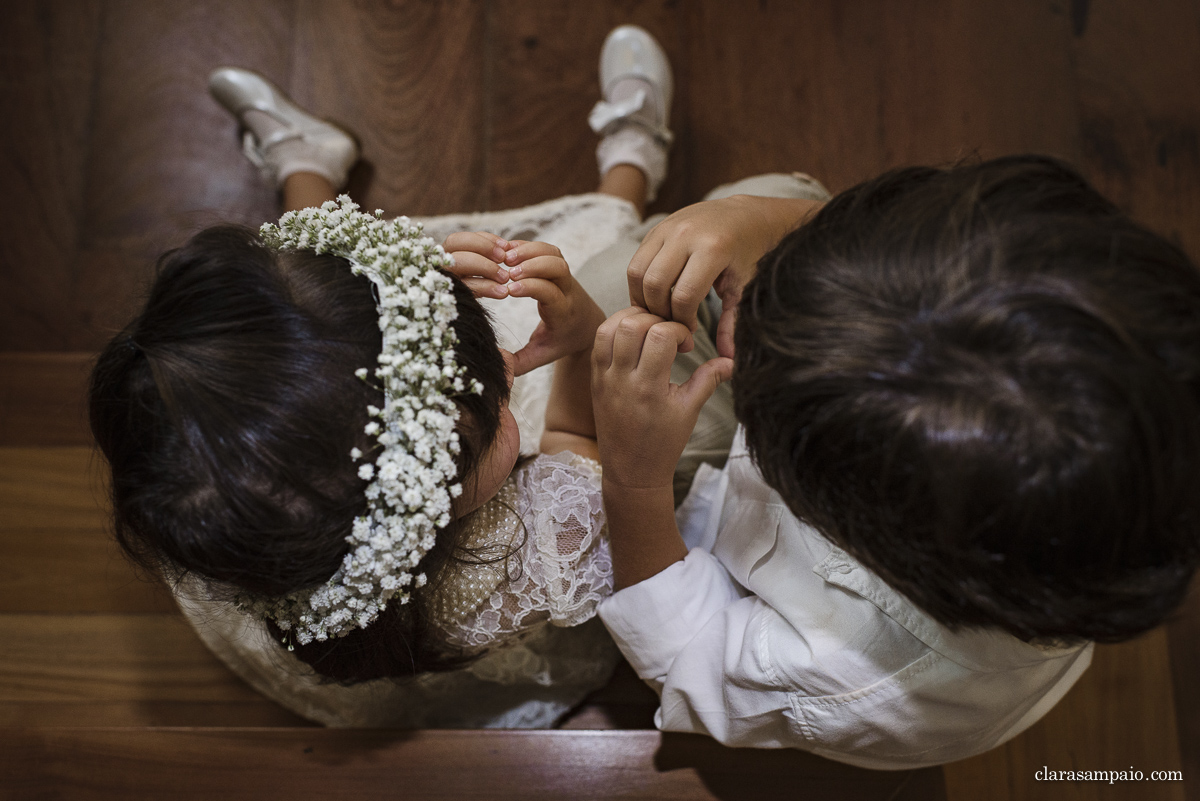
558 565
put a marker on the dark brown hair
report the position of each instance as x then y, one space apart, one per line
984 383
227 411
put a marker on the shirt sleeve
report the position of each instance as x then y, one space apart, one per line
693 634
653 620
728 665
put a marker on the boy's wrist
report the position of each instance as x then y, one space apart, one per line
644 537
648 493
633 471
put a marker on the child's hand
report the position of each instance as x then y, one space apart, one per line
569 315
716 243
643 421
478 261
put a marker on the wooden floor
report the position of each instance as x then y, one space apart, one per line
111 151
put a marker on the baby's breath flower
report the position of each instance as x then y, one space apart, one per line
412 479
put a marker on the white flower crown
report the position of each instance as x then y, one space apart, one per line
413 477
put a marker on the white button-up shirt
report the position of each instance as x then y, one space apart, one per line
769 636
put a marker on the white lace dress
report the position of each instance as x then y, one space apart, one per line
531 615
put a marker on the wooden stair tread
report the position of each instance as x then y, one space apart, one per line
87 658
42 398
317 763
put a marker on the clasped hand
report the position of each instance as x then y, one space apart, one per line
717 244
492 267
643 421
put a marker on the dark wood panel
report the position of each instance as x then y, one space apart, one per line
283 763
1139 104
253 713
847 90
42 398
1119 716
546 79
408 79
1140 131
1184 636
47 60
626 702
165 158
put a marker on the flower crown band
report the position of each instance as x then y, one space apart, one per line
412 477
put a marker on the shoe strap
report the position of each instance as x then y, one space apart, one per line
607 116
252 150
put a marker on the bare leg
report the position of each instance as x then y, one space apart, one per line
626 182
304 189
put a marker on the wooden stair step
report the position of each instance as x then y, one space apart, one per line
81 763
42 398
90 658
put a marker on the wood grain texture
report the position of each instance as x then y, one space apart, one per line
72 570
545 82
42 398
121 670
47 62
167 160
57 553
51 487
165 157
283 763
847 90
1183 634
1121 715
1139 110
103 658
140 713
111 150
407 77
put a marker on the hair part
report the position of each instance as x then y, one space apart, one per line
984 383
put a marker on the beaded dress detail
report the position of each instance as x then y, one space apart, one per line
556 566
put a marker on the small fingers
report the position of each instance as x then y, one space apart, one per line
522 250
630 338
485 244
661 274
477 271
705 380
483 288
635 273
602 348
726 326
535 354
540 289
662 343
550 267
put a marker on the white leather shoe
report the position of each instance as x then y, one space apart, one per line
631 52
293 140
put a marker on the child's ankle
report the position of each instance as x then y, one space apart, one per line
635 147
628 182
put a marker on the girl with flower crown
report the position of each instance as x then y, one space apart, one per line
316 432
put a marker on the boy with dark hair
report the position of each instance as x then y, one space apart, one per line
970 445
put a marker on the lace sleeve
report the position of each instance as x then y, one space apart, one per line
559 568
